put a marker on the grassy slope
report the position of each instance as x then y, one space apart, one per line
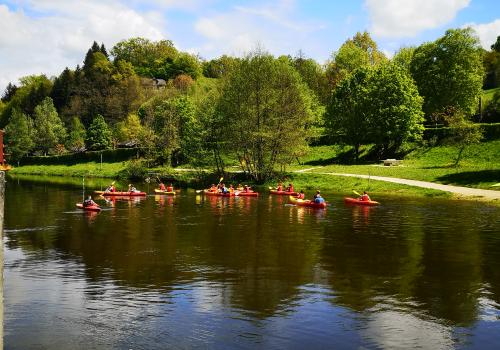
488 95
480 166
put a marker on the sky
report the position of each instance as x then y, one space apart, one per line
45 36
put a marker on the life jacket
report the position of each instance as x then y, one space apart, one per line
170 189
364 198
301 196
162 187
279 188
290 189
318 200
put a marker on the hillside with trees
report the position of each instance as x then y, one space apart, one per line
259 111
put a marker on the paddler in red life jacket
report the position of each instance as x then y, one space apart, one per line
280 187
289 188
301 195
89 202
213 188
246 189
364 197
170 188
162 187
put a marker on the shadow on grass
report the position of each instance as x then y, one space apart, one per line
471 177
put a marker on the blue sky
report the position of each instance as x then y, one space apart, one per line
44 36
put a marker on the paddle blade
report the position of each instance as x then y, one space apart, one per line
356 193
220 180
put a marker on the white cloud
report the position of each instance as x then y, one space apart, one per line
55 34
487 32
396 18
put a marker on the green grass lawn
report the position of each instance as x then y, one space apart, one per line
91 169
479 167
488 95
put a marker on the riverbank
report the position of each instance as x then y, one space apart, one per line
478 168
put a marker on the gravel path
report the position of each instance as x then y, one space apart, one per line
464 191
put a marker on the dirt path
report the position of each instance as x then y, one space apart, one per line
464 191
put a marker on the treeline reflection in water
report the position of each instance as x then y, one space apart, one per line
189 271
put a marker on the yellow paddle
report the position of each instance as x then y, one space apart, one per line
356 193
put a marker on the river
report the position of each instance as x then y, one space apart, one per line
241 273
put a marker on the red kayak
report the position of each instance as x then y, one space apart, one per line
282 193
307 203
247 194
122 194
89 208
355 201
218 194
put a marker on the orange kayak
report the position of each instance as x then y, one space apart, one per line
355 201
122 194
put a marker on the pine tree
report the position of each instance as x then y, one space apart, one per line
99 136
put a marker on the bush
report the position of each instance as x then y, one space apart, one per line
135 169
490 132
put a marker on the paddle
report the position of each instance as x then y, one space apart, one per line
356 193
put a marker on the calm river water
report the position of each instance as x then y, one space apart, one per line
240 273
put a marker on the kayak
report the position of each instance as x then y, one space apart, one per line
282 193
122 194
307 203
172 193
247 194
89 208
355 201
218 194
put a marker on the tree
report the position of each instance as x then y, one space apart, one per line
187 64
404 57
64 87
99 136
347 114
48 128
269 109
496 45
18 135
130 129
377 105
219 67
395 107
449 72
492 111
360 51
9 92
77 135
464 133
313 75
149 59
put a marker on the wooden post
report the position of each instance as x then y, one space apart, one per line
2 196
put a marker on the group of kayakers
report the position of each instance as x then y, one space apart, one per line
221 188
169 188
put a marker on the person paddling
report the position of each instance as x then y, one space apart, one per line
246 189
162 187
364 197
111 188
89 202
280 187
301 195
317 197
170 188
290 187
213 188
132 188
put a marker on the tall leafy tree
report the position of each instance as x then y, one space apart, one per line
77 135
449 72
63 89
268 108
9 92
99 135
378 105
48 127
18 135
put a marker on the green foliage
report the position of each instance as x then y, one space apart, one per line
149 59
267 109
465 133
449 72
187 64
77 135
99 136
134 169
404 57
492 111
130 129
380 105
18 135
219 67
48 130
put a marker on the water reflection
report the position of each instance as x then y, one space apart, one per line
243 272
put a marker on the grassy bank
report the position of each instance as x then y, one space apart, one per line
479 167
